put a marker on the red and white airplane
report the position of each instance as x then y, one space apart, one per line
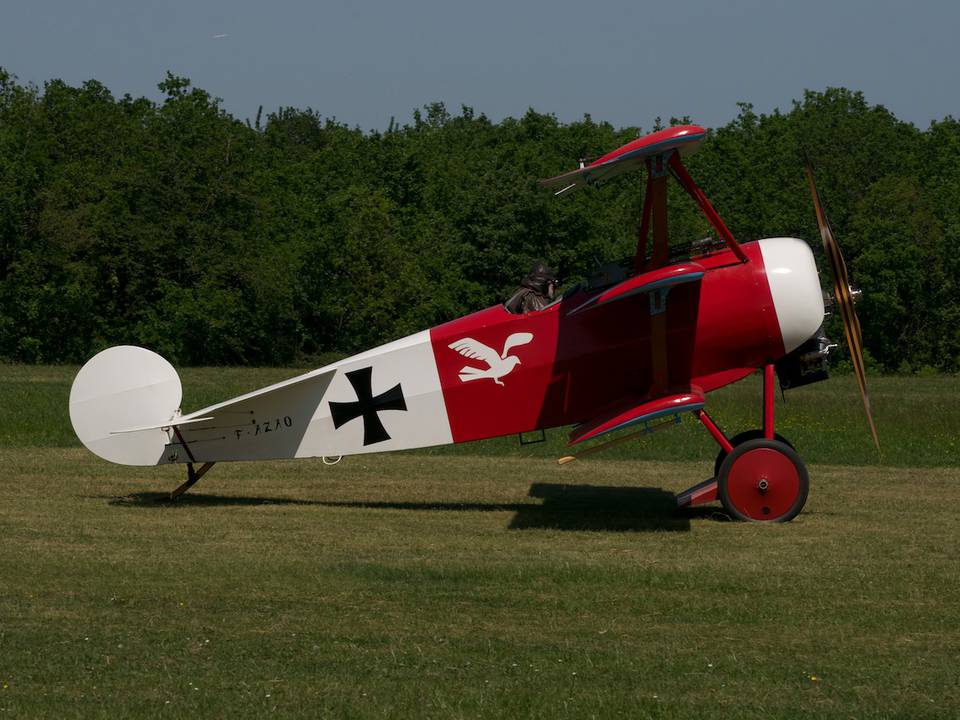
634 347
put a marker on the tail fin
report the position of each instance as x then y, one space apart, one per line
119 401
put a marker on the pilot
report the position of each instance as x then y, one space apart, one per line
536 290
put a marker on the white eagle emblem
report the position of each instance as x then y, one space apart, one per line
498 364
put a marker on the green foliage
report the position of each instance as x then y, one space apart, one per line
175 226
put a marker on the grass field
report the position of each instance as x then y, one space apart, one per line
481 583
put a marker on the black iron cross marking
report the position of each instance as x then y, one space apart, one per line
367 406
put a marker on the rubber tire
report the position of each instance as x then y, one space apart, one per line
723 490
742 438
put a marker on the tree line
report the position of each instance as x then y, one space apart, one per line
213 240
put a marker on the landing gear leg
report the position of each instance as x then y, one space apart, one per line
705 492
758 476
192 475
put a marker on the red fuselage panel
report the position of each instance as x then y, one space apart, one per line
503 373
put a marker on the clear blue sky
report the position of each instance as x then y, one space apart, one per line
363 61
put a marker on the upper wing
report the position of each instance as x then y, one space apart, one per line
515 339
684 138
475 350
576 179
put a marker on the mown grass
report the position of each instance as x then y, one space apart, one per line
413 586
480 583
918 418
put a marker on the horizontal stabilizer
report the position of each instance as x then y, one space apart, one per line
161 426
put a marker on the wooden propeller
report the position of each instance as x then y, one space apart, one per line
844 301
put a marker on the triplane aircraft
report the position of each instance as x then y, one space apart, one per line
636 346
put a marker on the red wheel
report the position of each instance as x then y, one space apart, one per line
741 438
763 481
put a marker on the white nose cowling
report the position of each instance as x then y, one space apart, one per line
795 287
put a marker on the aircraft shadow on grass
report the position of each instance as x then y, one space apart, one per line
564 507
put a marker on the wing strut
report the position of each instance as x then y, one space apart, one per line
687 183
655 212
641 257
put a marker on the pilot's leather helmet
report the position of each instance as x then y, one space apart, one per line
540 277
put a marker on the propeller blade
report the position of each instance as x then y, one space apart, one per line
844 298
